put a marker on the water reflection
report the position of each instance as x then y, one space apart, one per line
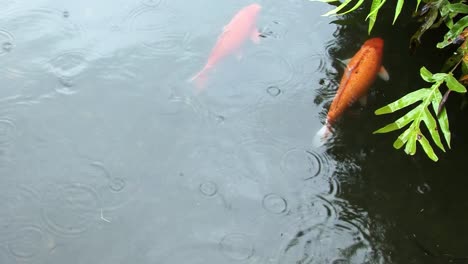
387 192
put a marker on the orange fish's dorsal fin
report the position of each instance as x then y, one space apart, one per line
383 74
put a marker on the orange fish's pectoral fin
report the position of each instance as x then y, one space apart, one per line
363 100
255 36
344 63
383 74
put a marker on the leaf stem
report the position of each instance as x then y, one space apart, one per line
447 93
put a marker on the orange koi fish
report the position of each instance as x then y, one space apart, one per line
241 27
360 72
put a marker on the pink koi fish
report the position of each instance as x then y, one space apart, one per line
241 27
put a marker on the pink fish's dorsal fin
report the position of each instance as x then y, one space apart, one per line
255 36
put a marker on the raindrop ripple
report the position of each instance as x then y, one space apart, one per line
68 209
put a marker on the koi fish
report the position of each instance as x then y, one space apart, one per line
360 72
241 27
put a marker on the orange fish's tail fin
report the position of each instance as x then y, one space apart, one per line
322 136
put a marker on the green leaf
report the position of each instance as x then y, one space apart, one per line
454 32
376 5
454 85
356 6
429 77
432 127
402 139
426 74
403 102
421 113
410 147
444 126
444 10
429 20
449 22
427 148
439 77
458 8
417 4
442 118
336 10
398 8
400 122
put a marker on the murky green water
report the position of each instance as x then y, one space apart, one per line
108 155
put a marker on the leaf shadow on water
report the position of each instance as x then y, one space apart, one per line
412 209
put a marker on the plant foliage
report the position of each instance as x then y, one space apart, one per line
421 113
374 10
432 14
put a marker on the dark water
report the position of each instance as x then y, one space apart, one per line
107 155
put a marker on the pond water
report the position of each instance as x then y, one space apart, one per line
108 154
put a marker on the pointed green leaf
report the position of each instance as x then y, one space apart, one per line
444 126
376 4
398 8
356 6
375 7
458 8
410 147
454 85
388 128
400 122
432 127
336 10
429 20
417 4
402 139
427 148
442 118
436 100
429 77
426 74
444 10
403 102
436 95
448 22
453 33
439 76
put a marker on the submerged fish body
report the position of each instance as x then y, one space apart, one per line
241 27
360 72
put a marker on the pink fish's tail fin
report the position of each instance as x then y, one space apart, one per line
200 79
322 136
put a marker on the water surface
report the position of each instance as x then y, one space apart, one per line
107 154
